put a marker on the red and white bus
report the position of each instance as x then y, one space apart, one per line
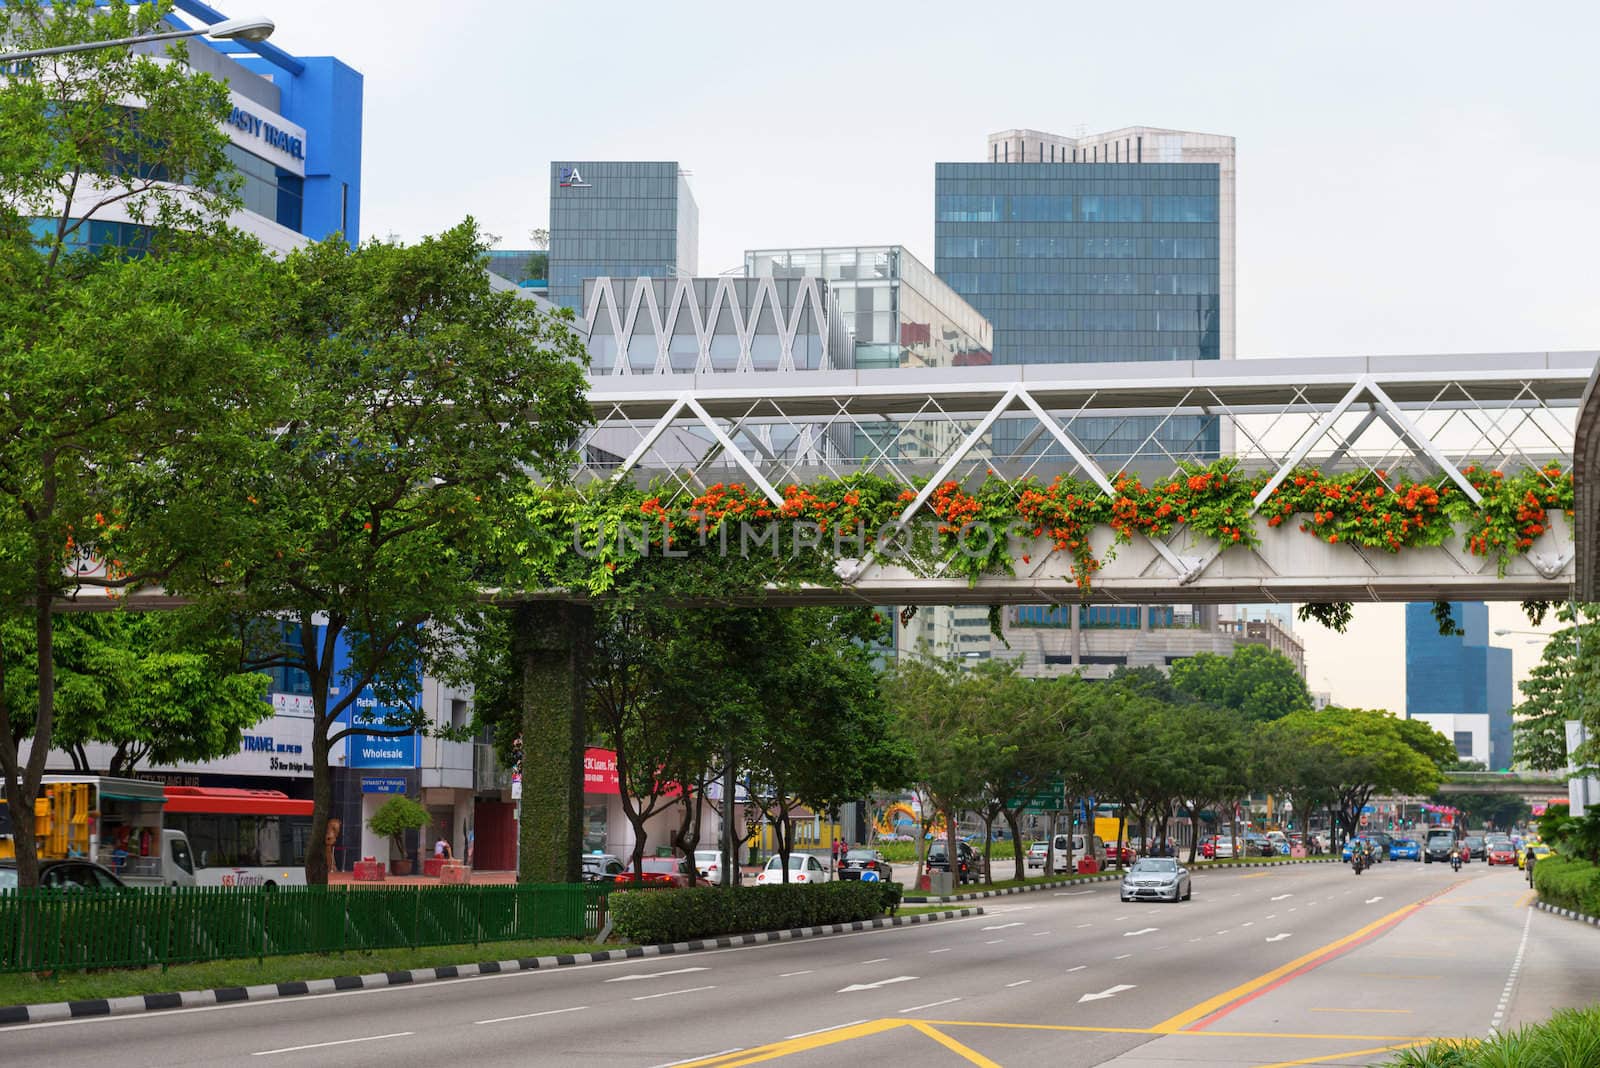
242 837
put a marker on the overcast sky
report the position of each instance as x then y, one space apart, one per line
1412 177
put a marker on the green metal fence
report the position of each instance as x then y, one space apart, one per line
46 930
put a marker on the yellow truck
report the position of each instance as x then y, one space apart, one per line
117 823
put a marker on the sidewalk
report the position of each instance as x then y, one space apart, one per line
477 878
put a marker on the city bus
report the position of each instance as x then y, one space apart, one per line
242 837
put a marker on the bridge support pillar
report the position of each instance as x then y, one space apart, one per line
548 642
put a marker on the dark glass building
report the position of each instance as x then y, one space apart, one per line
1450 680
619 220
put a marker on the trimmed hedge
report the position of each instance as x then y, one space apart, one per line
1568 883
654 916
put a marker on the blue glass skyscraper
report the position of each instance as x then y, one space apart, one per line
1459 675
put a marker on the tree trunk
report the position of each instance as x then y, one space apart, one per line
549 641
1122 820
952 846
318 848
1013 818
989 814
1194 829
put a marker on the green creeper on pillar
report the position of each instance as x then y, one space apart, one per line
548 641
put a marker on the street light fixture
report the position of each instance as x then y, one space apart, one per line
257 28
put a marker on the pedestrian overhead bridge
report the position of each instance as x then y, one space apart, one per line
1445 420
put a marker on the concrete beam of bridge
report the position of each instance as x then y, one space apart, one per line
1532 787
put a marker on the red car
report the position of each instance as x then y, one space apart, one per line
1128 853
658 871
1501 853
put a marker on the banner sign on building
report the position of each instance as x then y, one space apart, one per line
383 786
600 771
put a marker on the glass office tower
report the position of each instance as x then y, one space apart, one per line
619 220
1460 675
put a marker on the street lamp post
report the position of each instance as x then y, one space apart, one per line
250 29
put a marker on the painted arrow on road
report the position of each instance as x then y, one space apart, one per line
1146 930
1278 937
1003 926
1108 992
880 982
654 975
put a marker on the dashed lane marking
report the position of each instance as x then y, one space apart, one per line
336 1042
1511 980
531 1015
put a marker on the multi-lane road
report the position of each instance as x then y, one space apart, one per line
1298 965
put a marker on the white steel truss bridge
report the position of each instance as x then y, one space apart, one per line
1417 417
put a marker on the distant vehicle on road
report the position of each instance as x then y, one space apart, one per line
857 861
708 863
1156 879
1473 847
601 868
1218 847
969 863
1378 854
1071 848
1536 849
1405 849
1036 854
1440 841
64 875
1500 851
803 868
660 871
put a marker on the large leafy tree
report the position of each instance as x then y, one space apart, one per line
1560 687
1254 680
127 382
420 401
141 682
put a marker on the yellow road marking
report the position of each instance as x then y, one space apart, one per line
791 1046
1527 899
1342 1056
1212 1004
1257 875
1186 1034
971 1056
1407 1011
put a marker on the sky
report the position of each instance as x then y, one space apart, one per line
1412 178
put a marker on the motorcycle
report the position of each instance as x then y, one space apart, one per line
1358 861
1455 861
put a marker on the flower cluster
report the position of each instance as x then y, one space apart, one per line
1514 511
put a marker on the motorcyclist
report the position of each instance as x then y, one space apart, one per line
1455 858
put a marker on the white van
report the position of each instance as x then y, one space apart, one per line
1069 849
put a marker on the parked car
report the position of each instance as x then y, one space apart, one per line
661 871
708 862
1405 849
858 861
1127 853
1036 854
803 868
601 868
1218 847
1156 879
1257 845
64 875
1500 851
1280 842
969 862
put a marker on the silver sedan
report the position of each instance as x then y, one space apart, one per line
1156 879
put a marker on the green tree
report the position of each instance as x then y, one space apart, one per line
142 682
395 817
1560 687
130 380
420 401
1254 680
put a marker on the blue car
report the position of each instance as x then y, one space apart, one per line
1351 844
1405 849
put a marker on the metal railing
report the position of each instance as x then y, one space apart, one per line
50 929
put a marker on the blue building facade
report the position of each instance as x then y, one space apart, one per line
619 220
296 131
1460 674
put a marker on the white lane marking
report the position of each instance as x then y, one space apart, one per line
706 1057
1222 932
1278 937
1124 956
1040 934
1079 968
1374 900
674 993
653 975
932 1005
880 983
946 949
1511 980
820 1030
875 960
1071 893
336 1042
531 1015
1122 917
1081 926
1003 926
1108 992
994 941
1280 897
785 975
1019 982
1140 931
1251 923
1194 939
1272 915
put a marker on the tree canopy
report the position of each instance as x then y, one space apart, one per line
1254 680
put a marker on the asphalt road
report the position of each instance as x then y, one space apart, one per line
1305 964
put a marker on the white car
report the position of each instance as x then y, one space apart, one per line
708 862
803 868
1036 853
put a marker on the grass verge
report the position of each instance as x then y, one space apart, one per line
30 989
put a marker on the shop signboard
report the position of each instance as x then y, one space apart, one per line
387 785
